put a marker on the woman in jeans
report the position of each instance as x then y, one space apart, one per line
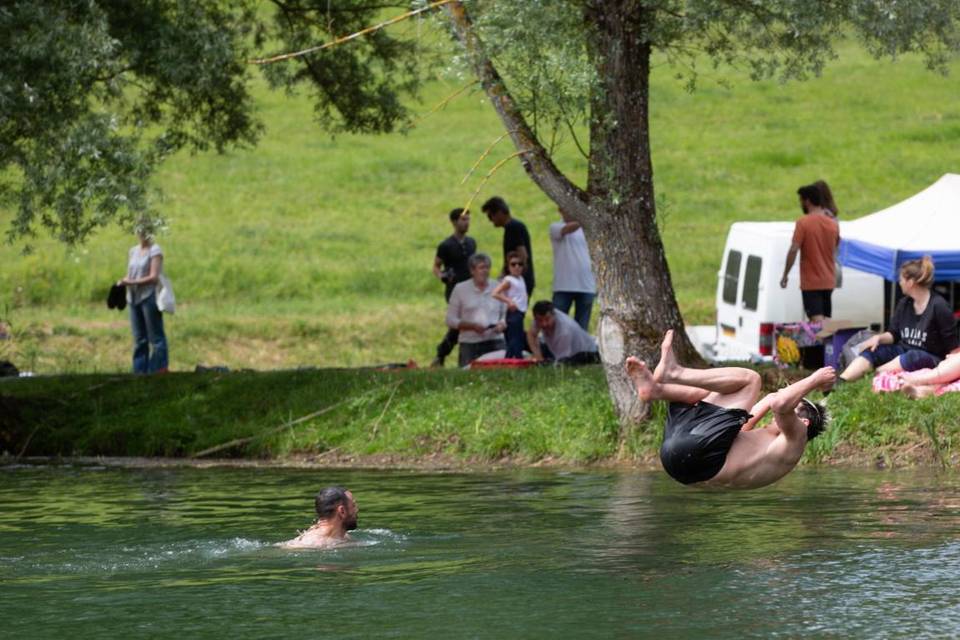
144 266
512 291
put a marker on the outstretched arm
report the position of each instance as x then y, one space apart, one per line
786 400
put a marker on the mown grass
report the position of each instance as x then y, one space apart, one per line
316 251
474 416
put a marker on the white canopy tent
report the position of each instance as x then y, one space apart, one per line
925 224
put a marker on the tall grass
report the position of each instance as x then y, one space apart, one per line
316 251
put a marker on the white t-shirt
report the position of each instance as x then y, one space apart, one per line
571 261
517 292
568 337
138 266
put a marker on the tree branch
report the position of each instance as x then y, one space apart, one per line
536 161
352 36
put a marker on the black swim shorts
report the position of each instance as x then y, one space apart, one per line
697 438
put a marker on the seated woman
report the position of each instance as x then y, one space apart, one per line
922 328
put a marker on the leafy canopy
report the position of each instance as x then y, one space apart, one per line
95 93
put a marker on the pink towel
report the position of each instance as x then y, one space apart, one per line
886 381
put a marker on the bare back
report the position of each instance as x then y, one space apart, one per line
761 457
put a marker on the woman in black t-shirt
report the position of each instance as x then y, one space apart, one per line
922 328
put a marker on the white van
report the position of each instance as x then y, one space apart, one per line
750 300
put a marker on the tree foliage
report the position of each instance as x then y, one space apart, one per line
93 94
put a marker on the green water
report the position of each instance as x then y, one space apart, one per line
188 553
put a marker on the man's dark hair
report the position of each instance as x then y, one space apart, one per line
496 204
329 499
456 213
816 414
542 308
812 194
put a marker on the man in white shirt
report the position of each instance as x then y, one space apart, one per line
573 280
565 341
475 313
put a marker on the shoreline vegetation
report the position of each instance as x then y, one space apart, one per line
411 418
312 251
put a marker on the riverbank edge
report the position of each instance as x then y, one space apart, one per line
910 458
412 419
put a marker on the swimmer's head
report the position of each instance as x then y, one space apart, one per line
337 502
815 416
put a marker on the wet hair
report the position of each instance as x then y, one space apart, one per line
816 414
476 259
920 271
328 500
811 193
542 308
826 198
496 204
456 213
513 255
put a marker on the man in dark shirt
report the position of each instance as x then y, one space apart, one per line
515 237
450 266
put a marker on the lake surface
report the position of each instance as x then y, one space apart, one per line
188 553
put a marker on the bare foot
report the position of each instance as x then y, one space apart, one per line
668 361
639 373
916 391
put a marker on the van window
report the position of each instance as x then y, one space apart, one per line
751 282
731 277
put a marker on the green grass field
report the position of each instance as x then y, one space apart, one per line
308 251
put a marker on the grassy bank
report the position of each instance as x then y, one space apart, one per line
528 416
312 251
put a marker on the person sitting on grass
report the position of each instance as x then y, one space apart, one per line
336 515
709 436
943 378
921 332
565 341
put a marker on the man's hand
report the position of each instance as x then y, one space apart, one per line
783 282
500 327
824 378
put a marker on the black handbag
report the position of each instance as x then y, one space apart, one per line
117 298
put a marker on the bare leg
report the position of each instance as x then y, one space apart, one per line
892 366
648 388
721 380
946 371
731 387
917 391
856 369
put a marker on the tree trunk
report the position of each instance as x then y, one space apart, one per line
637 301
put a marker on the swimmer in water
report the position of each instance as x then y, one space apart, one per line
336 515
709 437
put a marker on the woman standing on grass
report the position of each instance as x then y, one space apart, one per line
512 291
144 266
922 328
